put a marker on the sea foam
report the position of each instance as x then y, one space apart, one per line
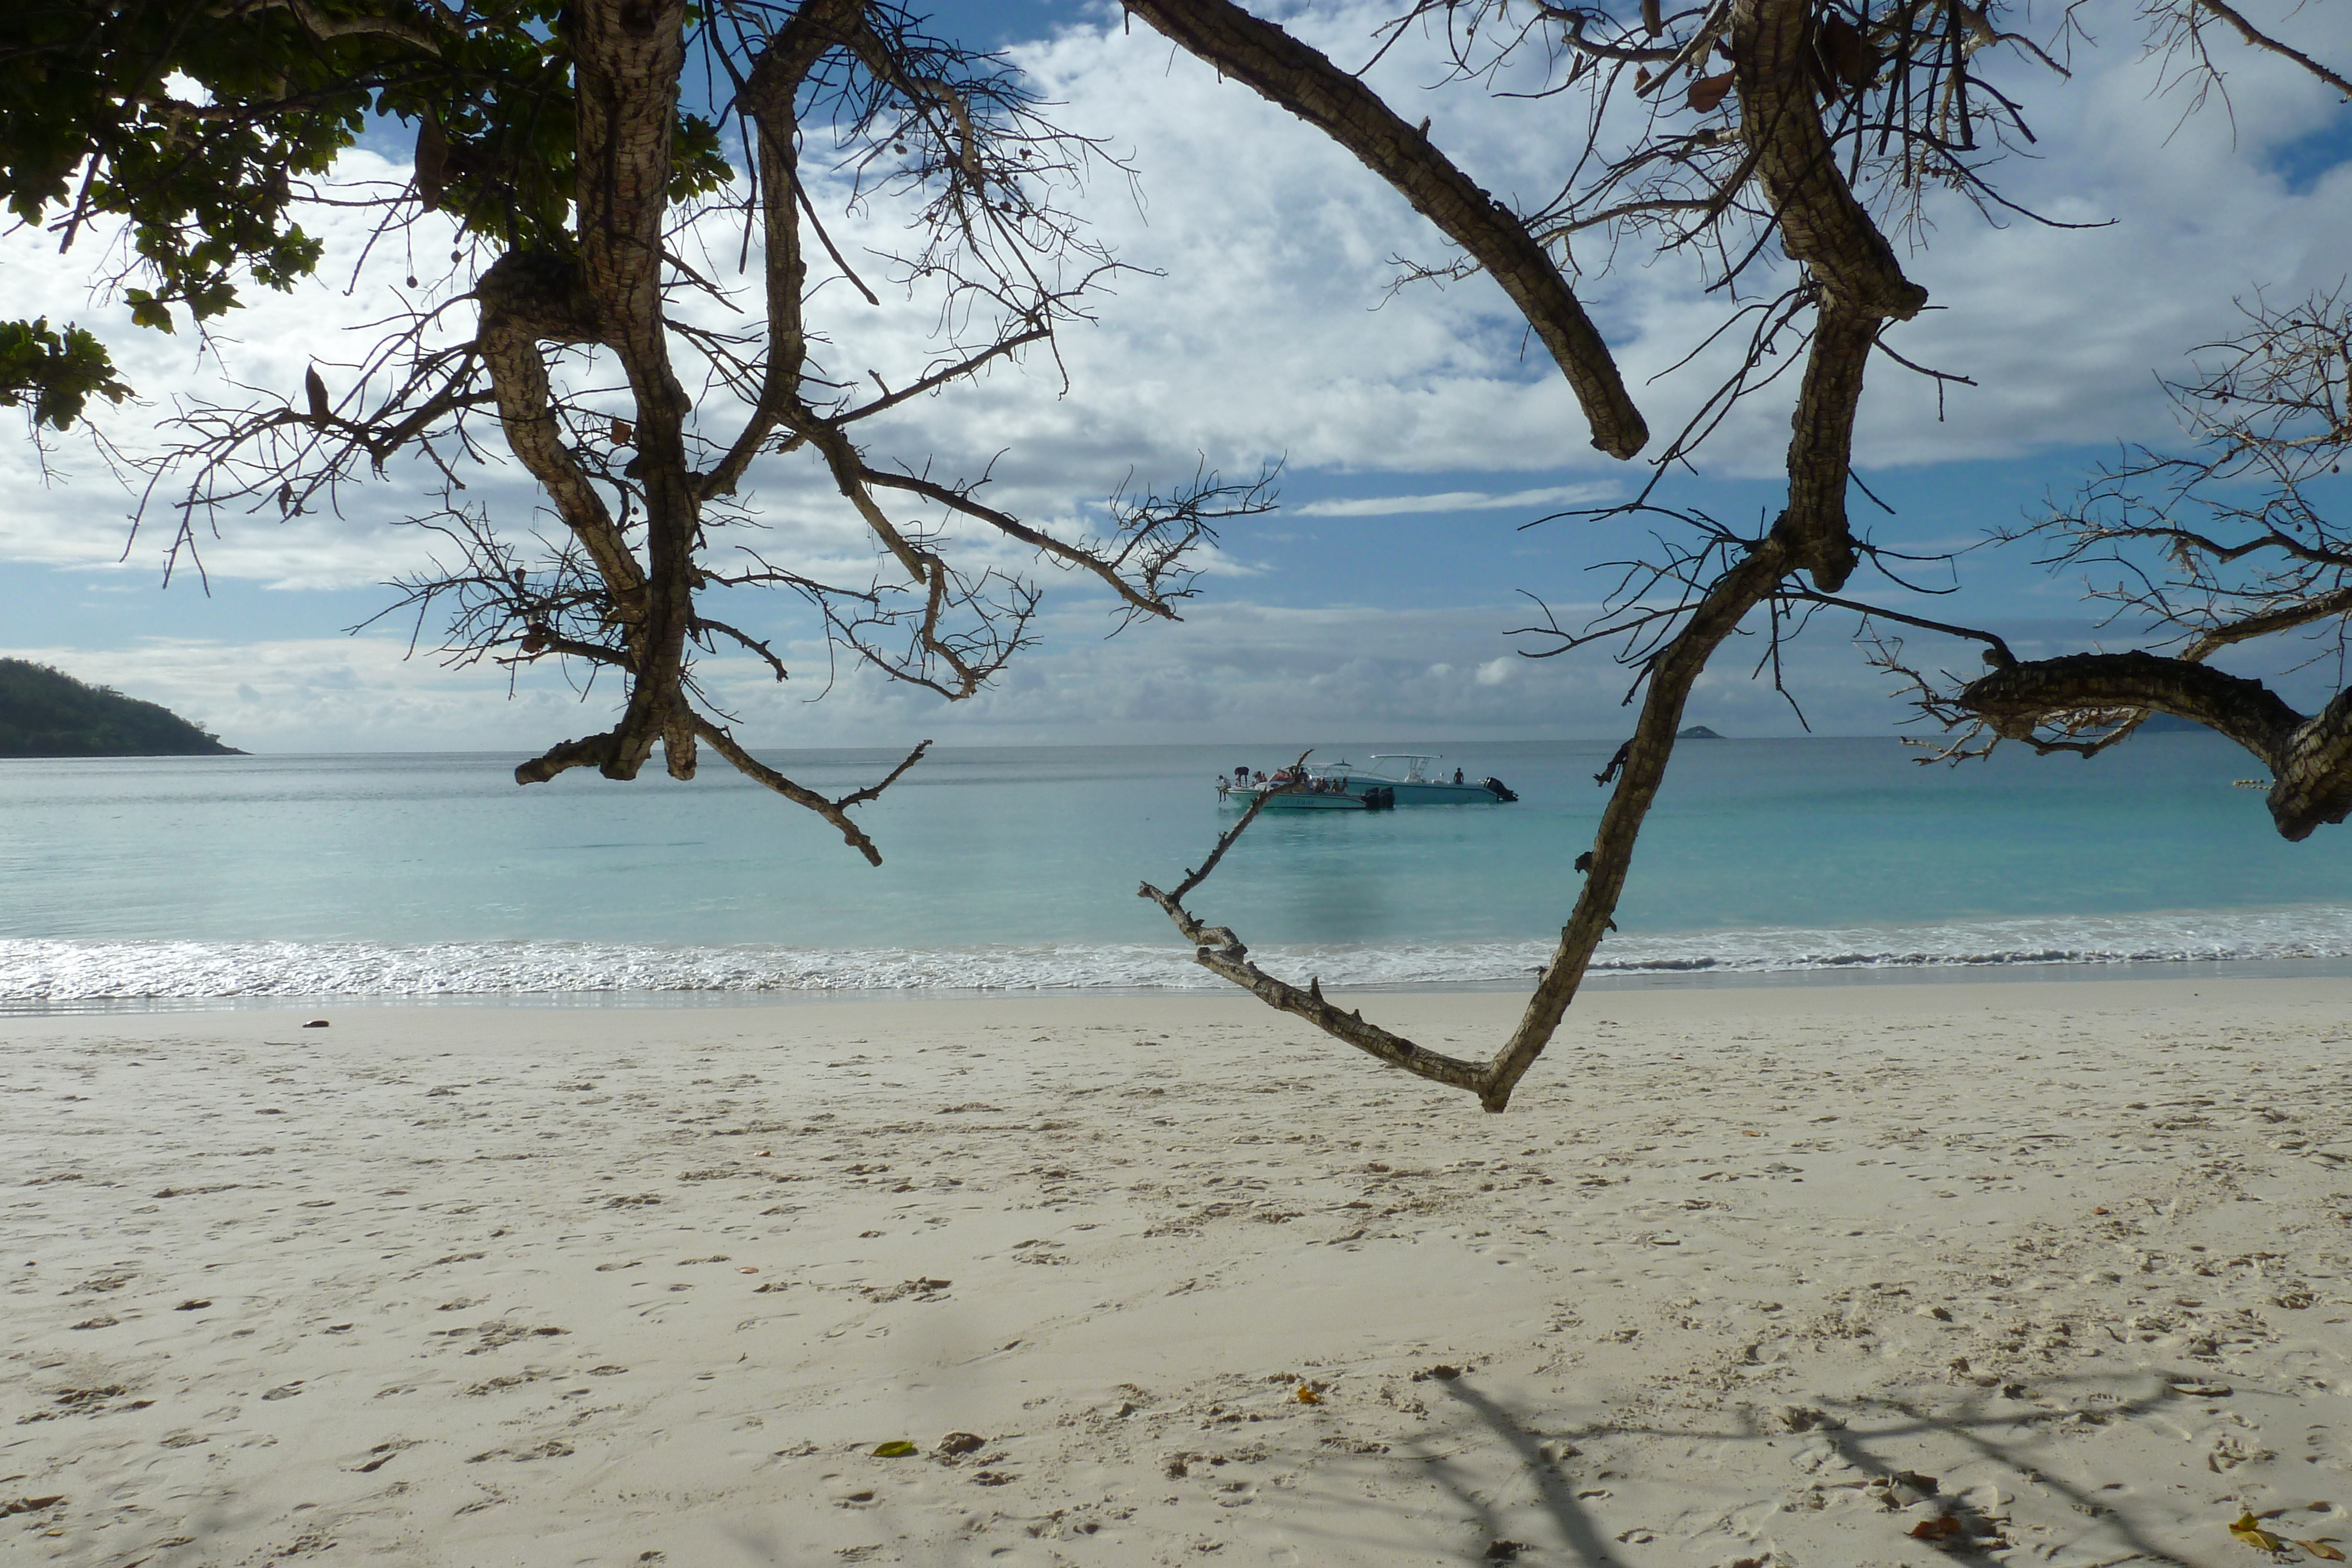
34 972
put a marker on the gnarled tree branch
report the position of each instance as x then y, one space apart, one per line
1299 78
2310 759
1821 223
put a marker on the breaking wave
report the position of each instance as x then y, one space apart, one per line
37 973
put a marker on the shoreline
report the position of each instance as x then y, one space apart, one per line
1777 1275
1598 983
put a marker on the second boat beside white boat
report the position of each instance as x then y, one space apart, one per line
1344 786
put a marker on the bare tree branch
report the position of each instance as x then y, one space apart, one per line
2310 759
2261 40
1288 73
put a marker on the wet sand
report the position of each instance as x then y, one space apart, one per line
2052 1271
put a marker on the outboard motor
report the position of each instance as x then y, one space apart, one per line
1502 792
1379 798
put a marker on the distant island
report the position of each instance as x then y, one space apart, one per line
2169 724
1697 732
48 713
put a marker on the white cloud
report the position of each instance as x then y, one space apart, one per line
339 694
1272 332
1231 671
2061 329
1548 497
1272 335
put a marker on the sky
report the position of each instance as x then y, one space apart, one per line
1260 324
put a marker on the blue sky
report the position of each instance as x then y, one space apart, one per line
1415 438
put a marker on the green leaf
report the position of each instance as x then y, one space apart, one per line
146 310
57 371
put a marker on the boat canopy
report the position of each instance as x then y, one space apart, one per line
1413 772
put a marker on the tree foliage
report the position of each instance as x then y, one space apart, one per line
44 712
55 370
204 129
562 146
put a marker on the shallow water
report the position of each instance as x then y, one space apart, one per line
1017 867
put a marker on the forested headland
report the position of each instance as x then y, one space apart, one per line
44 712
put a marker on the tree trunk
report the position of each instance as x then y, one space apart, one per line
630 54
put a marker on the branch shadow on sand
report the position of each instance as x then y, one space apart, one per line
1881 1453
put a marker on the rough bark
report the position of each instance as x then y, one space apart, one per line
630 54
1825 226
1301 80
1822 223
527 300
1821 449
2312 775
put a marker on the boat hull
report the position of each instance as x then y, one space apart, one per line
1298 800
1307 800
1423 793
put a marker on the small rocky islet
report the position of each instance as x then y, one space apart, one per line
44 712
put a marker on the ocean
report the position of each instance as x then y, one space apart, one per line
174 880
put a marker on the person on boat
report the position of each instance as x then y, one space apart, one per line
1457 776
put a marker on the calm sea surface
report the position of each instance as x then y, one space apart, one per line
1016 868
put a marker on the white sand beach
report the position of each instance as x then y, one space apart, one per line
1767 1276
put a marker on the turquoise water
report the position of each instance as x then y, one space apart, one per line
1017 867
